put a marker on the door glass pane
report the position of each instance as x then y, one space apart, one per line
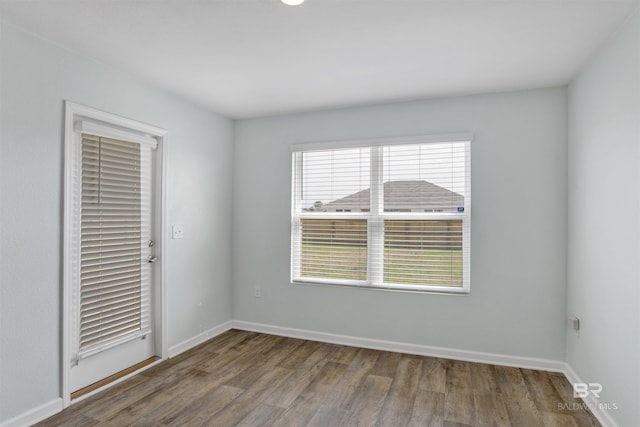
111 233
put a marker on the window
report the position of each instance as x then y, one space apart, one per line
391 214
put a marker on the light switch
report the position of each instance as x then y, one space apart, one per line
178 232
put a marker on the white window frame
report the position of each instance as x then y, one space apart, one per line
79 118
376 216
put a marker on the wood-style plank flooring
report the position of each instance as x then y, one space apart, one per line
244 378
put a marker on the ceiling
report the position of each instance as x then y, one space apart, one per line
249 58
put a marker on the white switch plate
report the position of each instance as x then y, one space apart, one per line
178 232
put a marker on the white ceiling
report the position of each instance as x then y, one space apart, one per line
248 58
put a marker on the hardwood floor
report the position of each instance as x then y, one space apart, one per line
248 379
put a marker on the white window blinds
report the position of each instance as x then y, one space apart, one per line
425 177
114 296
333 248
392 216
327 176
428 182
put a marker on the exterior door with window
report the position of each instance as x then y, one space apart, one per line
112 251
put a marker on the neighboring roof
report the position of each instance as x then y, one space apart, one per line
403 195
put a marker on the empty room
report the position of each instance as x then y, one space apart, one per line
320 213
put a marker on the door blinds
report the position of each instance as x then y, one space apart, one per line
114 298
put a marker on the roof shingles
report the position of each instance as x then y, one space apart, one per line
402 196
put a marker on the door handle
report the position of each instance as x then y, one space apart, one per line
152 259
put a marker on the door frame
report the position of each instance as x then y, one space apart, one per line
73 113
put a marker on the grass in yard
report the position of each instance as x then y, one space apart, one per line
334 261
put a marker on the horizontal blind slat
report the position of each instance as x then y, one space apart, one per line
110 323
110 289
119 313
107 334
110 278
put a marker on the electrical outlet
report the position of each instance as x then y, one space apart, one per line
257 292
574 323
178 232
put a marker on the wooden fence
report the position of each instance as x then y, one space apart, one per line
425 234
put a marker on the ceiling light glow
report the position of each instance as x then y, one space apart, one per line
292 2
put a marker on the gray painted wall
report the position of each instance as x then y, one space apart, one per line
518 255
604 230
35 79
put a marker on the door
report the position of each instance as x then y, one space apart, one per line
112 289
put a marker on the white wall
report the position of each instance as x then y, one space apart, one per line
36 77
604 225
518 255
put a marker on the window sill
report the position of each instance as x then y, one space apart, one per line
414 289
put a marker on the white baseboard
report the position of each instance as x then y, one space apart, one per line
598 410
35 415
199 339
400 347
